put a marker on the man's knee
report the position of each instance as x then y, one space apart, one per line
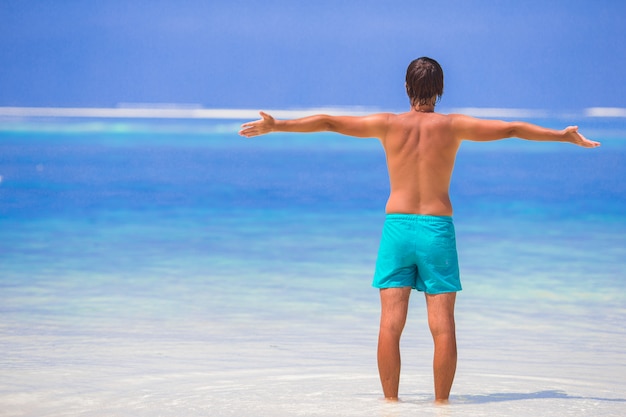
392 326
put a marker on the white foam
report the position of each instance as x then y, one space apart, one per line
169 112
196 111
605 112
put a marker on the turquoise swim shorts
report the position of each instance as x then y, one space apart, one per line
420 252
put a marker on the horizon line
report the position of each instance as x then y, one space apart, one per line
187 111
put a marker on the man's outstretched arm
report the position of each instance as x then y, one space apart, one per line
373 126
470 128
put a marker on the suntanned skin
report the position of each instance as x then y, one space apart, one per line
421 147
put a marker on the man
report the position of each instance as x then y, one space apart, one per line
418 247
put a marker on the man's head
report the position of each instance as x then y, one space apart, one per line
424 81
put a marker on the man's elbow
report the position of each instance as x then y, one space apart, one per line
512 130
328 123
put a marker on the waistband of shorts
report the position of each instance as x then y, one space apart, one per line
418 218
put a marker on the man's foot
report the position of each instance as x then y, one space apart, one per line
392 399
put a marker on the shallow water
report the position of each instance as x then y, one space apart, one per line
186 273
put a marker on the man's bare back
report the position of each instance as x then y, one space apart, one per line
420 150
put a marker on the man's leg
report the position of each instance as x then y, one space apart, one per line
394 306
441 323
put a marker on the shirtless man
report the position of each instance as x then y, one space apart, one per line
418 247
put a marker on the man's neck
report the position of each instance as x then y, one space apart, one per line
424 108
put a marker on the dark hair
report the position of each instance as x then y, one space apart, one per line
424 80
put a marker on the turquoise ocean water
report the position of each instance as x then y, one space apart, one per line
173 268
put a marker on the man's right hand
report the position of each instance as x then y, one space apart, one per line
258 127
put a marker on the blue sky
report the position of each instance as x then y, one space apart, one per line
294 54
